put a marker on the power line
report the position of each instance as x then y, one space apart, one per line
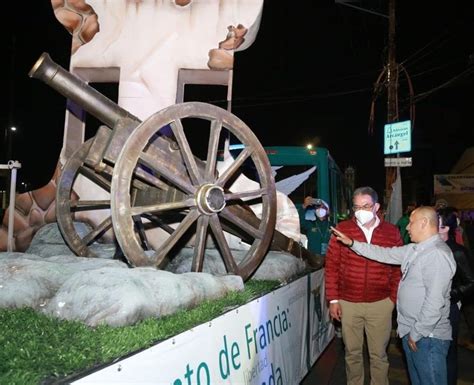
286 99
444 36
414 57
433 69
467 72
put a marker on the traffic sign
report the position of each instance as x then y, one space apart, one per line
397 137
398 162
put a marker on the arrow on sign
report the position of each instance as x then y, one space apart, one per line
396 146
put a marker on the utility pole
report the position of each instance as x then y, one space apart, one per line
392 92
388 81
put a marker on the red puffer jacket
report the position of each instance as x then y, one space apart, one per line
353 278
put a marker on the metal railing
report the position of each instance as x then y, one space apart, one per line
13 166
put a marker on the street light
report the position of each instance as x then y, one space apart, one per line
9 138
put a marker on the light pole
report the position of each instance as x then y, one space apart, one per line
5 143
8 153
13 166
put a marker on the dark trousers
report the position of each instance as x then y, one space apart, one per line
468 312
452 358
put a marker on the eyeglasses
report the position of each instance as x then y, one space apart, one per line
366 207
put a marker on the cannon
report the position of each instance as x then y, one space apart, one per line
166 189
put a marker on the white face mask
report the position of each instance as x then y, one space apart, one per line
364 216
321 213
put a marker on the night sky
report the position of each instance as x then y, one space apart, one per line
309 75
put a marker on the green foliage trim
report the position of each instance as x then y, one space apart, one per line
36 349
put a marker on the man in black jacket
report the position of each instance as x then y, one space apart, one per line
463 283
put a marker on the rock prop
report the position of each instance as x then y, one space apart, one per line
120 297
104 290
276 266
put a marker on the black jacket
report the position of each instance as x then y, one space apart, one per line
462 287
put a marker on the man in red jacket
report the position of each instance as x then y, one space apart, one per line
361 292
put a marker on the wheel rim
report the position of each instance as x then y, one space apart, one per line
66 207
207 205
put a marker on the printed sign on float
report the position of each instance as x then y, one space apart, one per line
274 339
397 137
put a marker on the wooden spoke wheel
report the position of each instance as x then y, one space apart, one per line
67 204
207 203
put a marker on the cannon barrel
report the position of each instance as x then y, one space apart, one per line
75 89
162 152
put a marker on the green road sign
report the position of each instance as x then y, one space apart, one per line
397 137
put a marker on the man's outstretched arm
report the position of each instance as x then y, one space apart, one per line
391 255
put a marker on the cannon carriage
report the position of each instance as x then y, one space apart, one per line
165 187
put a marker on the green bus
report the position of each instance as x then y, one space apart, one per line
327 181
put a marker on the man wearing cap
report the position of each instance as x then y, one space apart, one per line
361 292
315 223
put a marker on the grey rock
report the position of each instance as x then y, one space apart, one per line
48 242
279 266
119 297
275 266
31 280
50 279
212 264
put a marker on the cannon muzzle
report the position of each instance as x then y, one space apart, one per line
77 90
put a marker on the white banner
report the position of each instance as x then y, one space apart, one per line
454 183
322 328
265 342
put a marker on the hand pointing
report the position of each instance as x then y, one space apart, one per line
341 237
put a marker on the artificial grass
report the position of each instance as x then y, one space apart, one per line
36 349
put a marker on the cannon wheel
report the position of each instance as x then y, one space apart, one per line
208 206
66 206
